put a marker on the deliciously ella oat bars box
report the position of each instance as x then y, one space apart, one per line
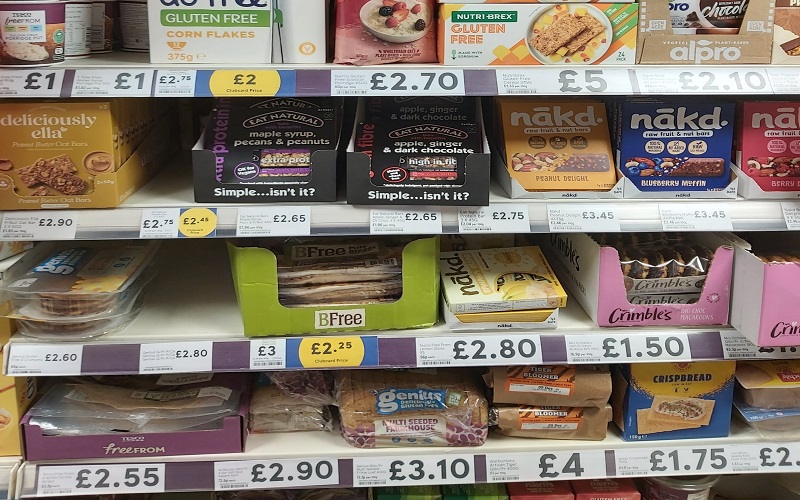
536 34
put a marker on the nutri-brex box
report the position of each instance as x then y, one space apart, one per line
675 144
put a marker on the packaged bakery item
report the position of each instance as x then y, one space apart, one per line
555 145
17 395
606 489
483 491
675 144
551 422
291 401
770 384
426 492
385 31
540 490
550 385
786 33
657 401
425 407
770 423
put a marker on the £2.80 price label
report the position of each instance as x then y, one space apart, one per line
545 466
276 474
484 351
176 357
100 479
414 82
452 469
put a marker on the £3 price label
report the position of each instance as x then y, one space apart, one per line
276 474
100 479
267 354
452 469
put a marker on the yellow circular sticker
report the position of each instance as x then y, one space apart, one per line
197 222
331 352
244 83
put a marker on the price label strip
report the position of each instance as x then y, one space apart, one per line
64 480
112 83
569 218
249 475
402 83
175 83
479 351
705 81
784 457
38 226
685 460
159 223
694 217
197 223
35 83
552 81
628 348
333 352
505 218
443 469
405 222
273 221
267 354
737 346
176 357
563 465
44 359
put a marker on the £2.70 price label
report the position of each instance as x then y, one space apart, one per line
501 218
450 469
416 82
100 479
545 466
483 351
276 474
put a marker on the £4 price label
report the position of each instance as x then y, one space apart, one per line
100 479
507 467
276 474
455 469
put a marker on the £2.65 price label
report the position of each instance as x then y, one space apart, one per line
273 221
35 83
39 226
448 469
626 348
415 82
483 351
501 218
405 222
275 474
99 479
545 466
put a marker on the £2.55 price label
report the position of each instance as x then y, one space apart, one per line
694 217
501 218
66 480
275 474
483 351
448 469
112 83
545 466
402 83
626 348
39 226
176 357
44 359
35 83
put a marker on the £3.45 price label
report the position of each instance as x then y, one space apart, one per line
39 226
99 479
402 83
267 354
502 218
405 222
112 83
694 217
275 474
626 348
44 359
545 466
566 218
273 221
35 83
449 469
176 357
483 351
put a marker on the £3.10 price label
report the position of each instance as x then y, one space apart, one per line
44 359
567 218
99 479
545 466
737 346
273 221
694 217
402 83
503 218
275 474
405 222
39 226
267 354
449 469
112 83
35 83
176 357
626 348
479 351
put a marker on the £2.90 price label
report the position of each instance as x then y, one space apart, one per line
568 218
35 83
402 83
267 354
99 479
44 359
112 83
273 221
626 348
483 351
405 222
275 474
504 218
176 357
545 466
694 217
449 469
39 226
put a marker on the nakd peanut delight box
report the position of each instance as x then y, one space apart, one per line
556 146
768 144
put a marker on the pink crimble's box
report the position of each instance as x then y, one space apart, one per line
765 295
228 439
593 276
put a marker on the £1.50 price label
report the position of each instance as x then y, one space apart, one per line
275 474
483 351
449 469
545 466
100 479
402 83
626 348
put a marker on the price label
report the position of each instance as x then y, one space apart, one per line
112 83
267 354
504 218
402 83
63 480
332 352
694 217
39 226
705 81
784 80
737 346
175 83
545 466
479 351
197 222
405 222
159 223
243 83
791 214
559 82
450 469
685 460
246 475
34 83
569 218
176 357
627 348
284 220
44 359
777 458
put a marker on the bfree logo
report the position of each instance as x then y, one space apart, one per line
701 51
351 318
783 329
393 400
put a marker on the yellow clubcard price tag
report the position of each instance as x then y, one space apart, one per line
331 352
197 222
244 83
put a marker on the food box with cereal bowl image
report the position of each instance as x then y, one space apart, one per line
517 34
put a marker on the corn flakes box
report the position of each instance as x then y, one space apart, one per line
536 34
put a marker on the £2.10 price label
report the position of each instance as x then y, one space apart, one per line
401 83
479 351
545 466
39 226
112 83
626 348
275 474
501 218
407 471
35 83
176 357
99 479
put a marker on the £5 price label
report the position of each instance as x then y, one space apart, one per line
44 359
112 83
276 474
176 357
451 469
500 218
35 83
273 221
39 226
694 217
100 479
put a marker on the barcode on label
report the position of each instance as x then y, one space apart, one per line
628 473
371 483
380 262
237 486
58 492
435 363
510 478
267 363
352 92
517 91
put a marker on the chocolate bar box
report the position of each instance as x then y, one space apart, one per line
786 33
675 144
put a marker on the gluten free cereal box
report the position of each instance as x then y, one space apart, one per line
768 144
563 34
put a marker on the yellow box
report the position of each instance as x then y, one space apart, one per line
16 396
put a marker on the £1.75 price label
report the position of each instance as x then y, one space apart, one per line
406 471
684 460
99 479
479 351
275 474
545 466
401 83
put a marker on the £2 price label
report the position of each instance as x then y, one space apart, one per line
100 479
243 83
450 469
276 474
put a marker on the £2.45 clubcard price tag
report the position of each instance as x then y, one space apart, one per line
39 226
176 357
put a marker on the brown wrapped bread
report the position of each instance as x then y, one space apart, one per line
769 384
551 422
550 385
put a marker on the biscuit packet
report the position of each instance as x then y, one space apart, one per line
551 422
550 385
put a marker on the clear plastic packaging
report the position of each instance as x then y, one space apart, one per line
772 384
783 424
77 329
292 401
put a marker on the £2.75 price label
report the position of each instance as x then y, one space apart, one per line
501 218
479 351
402 83
99 479
449 469
545 466
275 474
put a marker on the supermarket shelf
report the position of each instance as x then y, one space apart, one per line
501 459
191 307
8 476
131 75
172 190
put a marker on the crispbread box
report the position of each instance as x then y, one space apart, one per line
550 385
770 384
551 422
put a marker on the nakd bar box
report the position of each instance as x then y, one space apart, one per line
540 490
606 489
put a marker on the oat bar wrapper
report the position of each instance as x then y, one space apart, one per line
551 422
550 385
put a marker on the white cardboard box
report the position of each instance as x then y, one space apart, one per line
299 34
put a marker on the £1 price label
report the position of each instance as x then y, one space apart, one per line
44 359
112 83
39 226
501 218
450 469
176 357
273 221
694 217
35 83
242 475
100 479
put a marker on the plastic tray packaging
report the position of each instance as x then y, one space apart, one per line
77 329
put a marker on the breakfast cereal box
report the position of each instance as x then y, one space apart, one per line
556 145
768 144
563 34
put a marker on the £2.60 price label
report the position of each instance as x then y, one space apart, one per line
545 466
483 351
35 83
39 226
415 82
449 469
44 359
276 474
99 479
625 348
